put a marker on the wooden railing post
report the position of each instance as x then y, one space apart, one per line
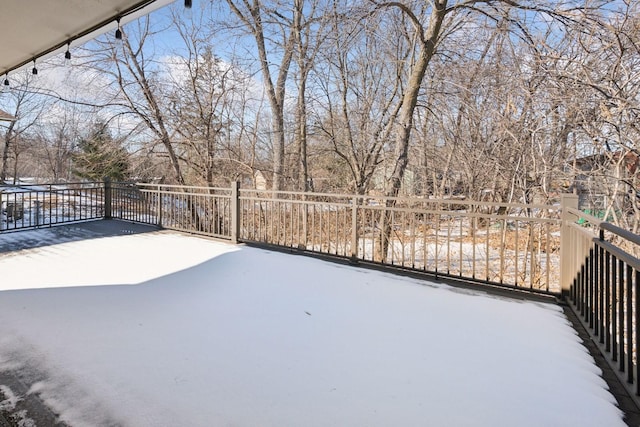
567 244
235 211
107 198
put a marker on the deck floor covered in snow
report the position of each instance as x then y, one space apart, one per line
165 329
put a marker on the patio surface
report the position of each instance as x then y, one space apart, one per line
151 329
14 241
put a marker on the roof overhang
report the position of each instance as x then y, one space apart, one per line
6 117
36 29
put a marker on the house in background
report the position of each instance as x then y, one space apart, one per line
380 182
259 181
596 178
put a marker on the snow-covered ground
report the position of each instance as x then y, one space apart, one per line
163 329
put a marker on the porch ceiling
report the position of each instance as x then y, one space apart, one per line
39 28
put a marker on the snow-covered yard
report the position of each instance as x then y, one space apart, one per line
163 329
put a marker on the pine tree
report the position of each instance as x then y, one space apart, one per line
100 156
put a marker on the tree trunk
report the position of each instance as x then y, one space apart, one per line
275 91
301 136
404 124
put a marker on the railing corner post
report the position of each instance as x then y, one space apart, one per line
567 252
235 211
107 197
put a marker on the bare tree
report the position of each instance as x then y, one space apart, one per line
136 85
57 140
600 66
443 18
27 107
198 99
266 22
360 77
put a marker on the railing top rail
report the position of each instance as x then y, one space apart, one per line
619 253
467 202
182 193
172 186
451 213
270 193
634 238
50 185
300 202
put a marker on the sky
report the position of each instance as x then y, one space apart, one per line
163 329
68 80
76 83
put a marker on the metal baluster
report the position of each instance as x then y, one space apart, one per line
614 308
629 330
607 298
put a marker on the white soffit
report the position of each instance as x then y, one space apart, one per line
39 28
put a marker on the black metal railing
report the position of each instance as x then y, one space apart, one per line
604 289
31 206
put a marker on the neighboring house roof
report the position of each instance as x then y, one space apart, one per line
628 159
36 29
6 117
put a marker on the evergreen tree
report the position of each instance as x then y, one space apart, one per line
100 156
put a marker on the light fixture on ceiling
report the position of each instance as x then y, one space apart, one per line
34 71
6 81
118 31
188 4
67 54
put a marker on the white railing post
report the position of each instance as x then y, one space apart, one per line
567 245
